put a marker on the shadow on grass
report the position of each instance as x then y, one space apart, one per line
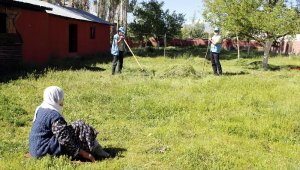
115 152
79 63
292 67
235 73
233 54
256 65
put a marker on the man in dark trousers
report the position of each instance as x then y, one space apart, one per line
215 49
117 50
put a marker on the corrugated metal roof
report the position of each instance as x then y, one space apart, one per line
10 3
66 11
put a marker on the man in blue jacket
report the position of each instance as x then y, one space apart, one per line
117 50
215 49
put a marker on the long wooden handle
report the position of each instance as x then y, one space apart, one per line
133 54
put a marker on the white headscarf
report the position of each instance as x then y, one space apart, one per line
53 99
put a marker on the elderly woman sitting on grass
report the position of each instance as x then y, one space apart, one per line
51 135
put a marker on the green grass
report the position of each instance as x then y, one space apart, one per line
175 115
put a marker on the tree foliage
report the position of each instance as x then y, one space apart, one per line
151 20
131 5
115 11
261 20
79 4
194 30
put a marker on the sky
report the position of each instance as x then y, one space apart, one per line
187 7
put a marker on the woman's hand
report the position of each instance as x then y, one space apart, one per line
86 155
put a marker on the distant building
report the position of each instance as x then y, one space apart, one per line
298 37
296 45
33 31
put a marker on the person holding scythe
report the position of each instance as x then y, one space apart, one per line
215 49
117 50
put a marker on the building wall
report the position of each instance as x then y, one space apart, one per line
47 36
296 47
59 37
33 28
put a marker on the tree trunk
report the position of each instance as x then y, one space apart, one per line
124 13
112 10
102 9
118 15
267 48
238 45
121 12
248 48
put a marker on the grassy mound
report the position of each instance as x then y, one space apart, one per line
179 71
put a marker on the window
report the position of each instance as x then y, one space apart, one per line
3 23
93 32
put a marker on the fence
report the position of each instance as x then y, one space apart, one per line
282 47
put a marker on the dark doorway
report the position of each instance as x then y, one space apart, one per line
72 38
93 32
2 23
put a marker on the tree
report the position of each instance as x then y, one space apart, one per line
151 20
261 20
79 4
194 30
131 5
59 2
123 12
102 9
113 4
173 24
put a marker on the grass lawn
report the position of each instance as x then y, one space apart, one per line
176 115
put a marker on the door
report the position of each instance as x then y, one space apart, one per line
73 38
2 23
